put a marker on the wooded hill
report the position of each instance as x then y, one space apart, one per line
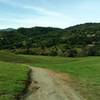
79 40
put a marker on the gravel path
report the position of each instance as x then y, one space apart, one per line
48 86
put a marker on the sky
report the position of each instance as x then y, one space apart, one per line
48 13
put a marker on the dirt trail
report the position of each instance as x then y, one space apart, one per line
48 86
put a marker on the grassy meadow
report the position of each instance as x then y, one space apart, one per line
84 73
12 79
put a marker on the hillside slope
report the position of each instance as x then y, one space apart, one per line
79 40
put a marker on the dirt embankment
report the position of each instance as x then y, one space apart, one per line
47 85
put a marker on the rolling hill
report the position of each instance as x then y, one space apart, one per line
79 40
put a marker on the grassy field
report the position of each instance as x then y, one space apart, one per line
85 71
12 79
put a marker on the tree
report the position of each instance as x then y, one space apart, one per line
72 53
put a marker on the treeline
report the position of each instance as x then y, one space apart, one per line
79 40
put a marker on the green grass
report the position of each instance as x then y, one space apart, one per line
12 80
85 71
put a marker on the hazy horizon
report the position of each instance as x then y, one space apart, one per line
48 26
47 13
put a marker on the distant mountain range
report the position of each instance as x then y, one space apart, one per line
8 29
79 40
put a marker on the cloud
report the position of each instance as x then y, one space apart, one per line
47 17
44 11
46 21
41 10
